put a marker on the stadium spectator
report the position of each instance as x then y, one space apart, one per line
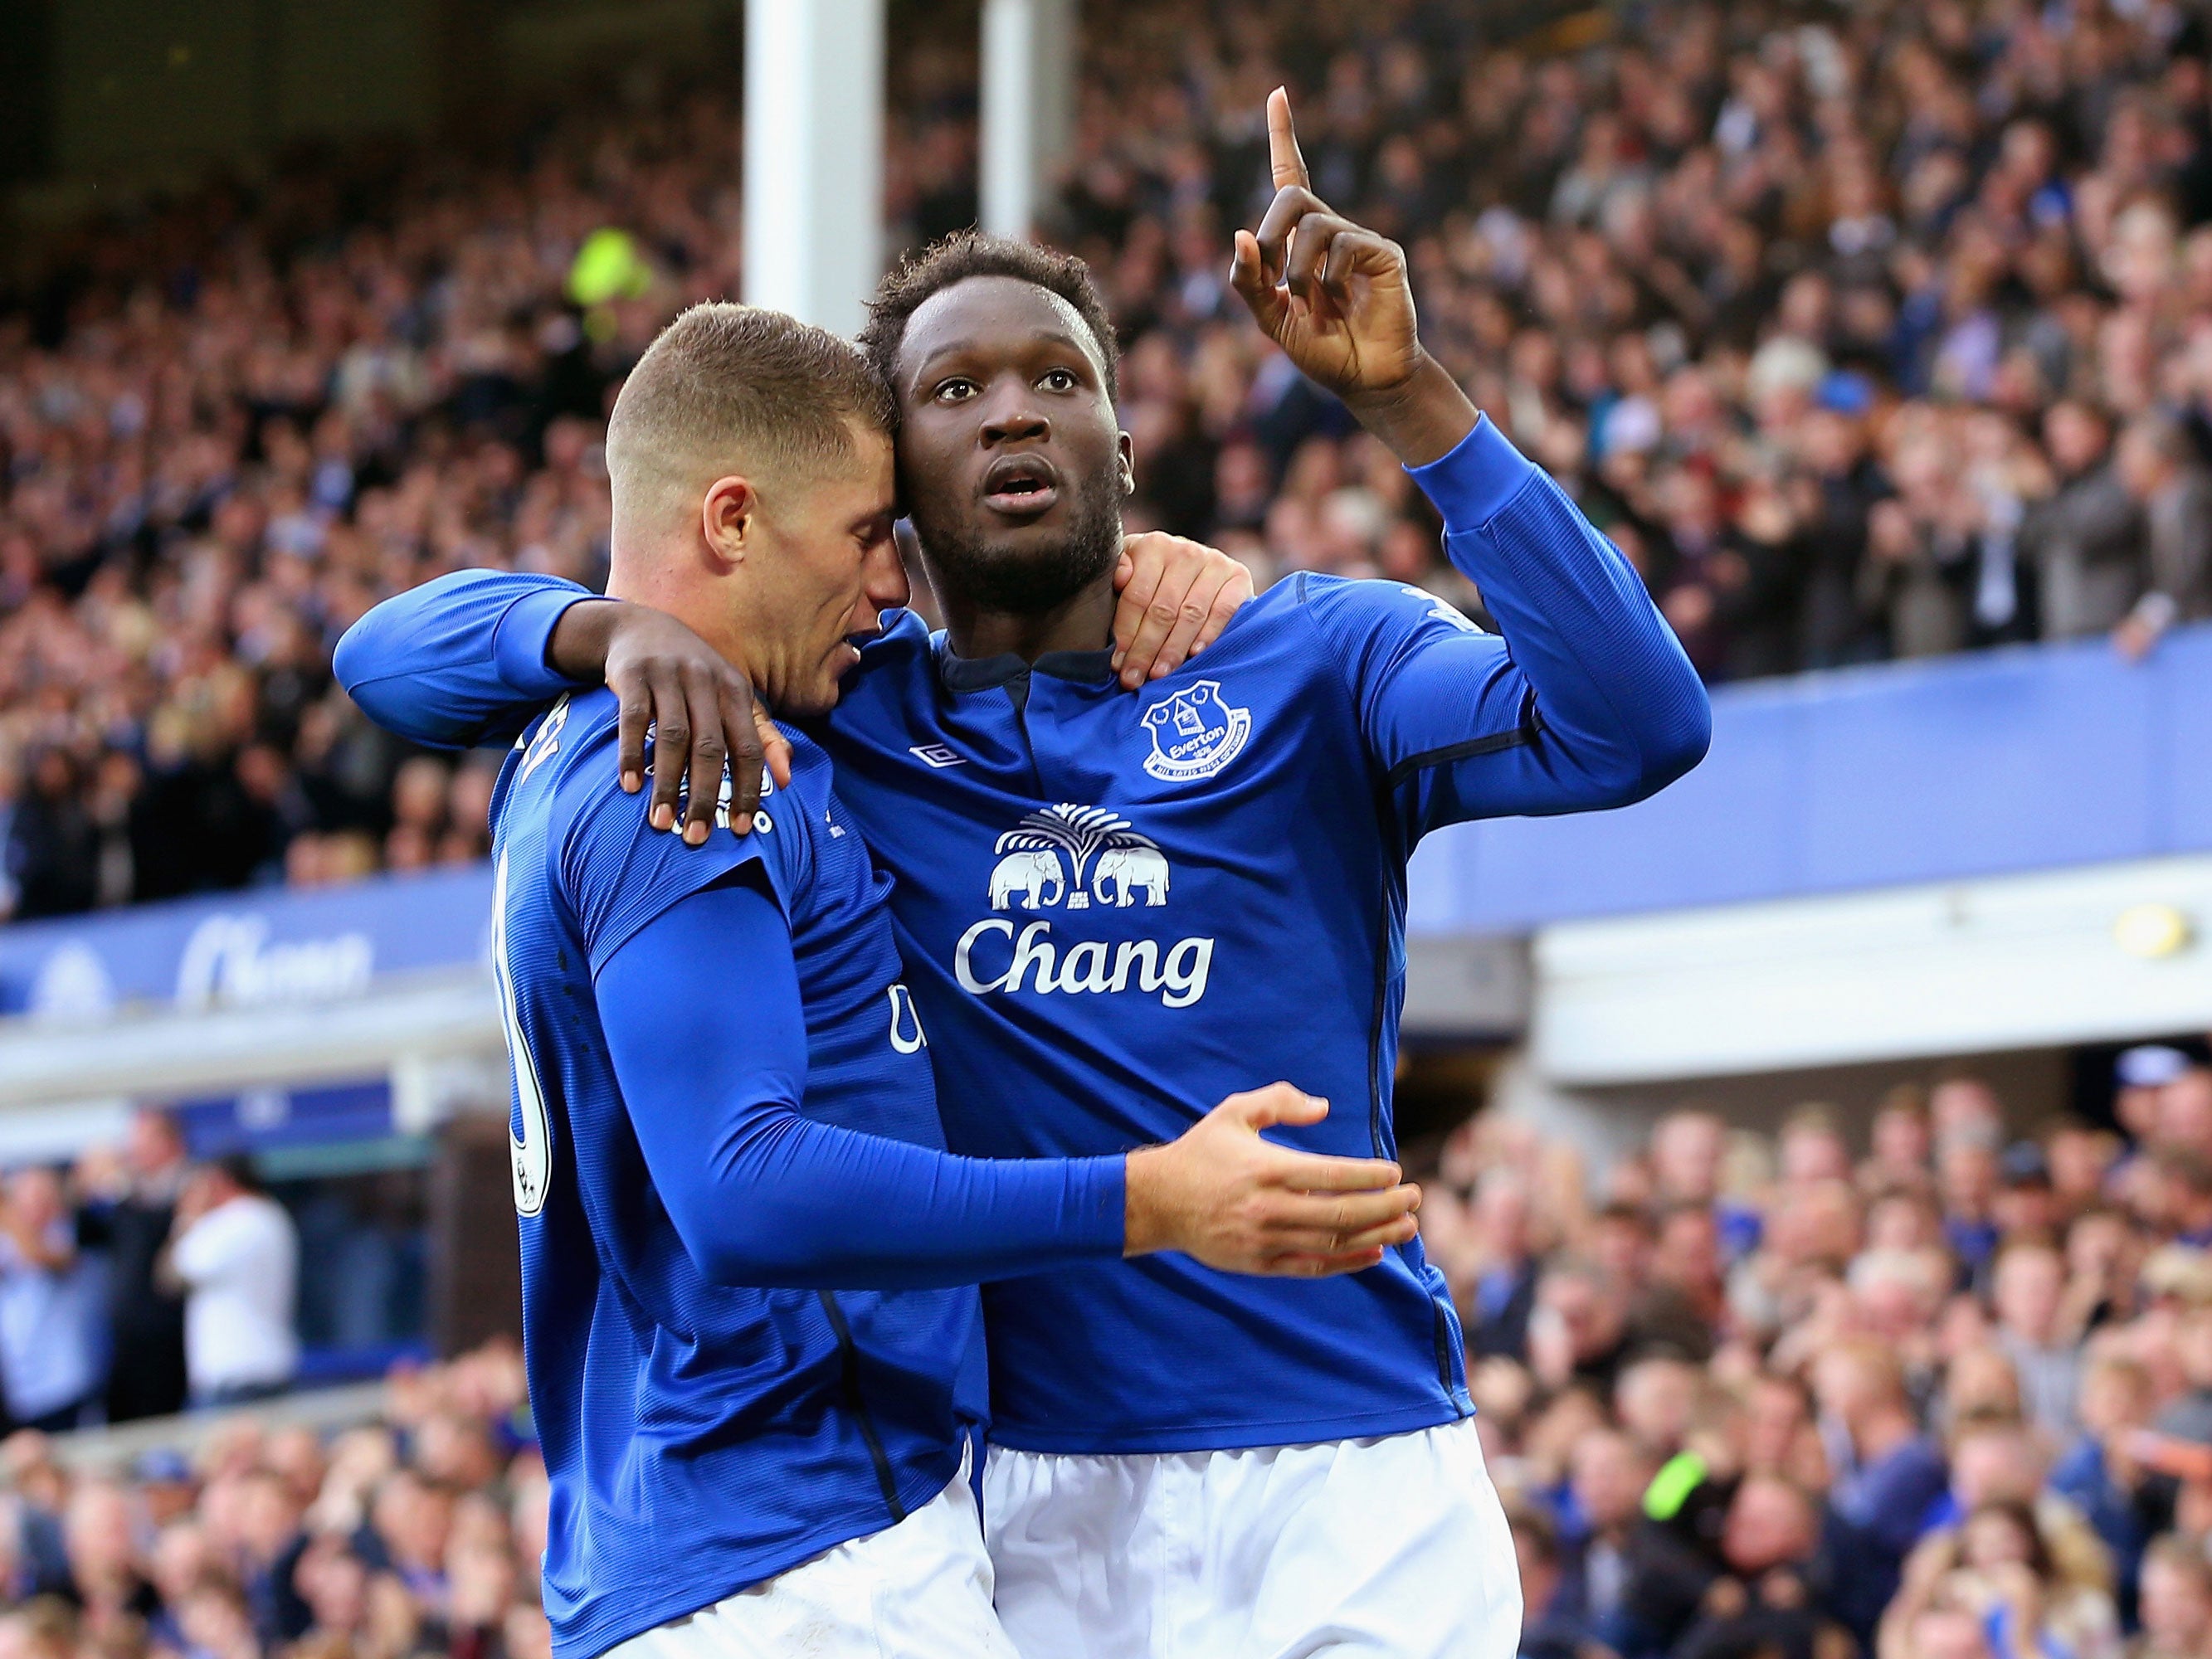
235 1255
129 1204
1505 1277
1548 1630
2176 1602
2029 1292
1605 1490
2161 467
1767 1600
1831 325
54 1307
1887 1473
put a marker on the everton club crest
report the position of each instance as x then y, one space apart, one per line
1194 734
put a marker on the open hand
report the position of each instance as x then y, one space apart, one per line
1245 1204
699 710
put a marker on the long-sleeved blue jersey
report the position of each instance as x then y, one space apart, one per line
747 1262
1115 908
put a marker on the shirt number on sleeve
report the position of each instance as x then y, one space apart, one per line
531 1148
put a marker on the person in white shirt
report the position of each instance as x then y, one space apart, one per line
235 1254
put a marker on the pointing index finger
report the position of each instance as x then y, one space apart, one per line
1288 166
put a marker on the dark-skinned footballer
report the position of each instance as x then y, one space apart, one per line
1125 886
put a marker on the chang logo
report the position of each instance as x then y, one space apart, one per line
1048 856
1078 857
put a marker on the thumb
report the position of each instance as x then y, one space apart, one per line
1124 566
1279 1103
1250 278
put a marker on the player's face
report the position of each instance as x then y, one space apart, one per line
1012 464
829 571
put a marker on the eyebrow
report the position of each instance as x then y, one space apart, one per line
1043 337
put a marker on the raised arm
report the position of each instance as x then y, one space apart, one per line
1588 701
763 1195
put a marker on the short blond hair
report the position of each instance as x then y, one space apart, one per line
730 389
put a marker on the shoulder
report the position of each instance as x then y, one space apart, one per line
1374 601
559 751
608 856
904 644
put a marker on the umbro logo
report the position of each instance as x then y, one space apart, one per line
937 754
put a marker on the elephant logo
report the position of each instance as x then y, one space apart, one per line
1080 856
1029 871
1129 870
1194 734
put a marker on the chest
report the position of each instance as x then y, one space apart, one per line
1075 838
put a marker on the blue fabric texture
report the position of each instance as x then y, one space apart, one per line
721 1085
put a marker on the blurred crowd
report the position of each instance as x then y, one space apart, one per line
140 1282
419 1534
1933 1388
1949 1397
1869 331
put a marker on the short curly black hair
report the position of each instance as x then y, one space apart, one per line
967 253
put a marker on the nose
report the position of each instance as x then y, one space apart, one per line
883 585
1011 415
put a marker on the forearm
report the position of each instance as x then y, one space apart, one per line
1422 420
577 647
789 1201
1616 698
761 1194
461 659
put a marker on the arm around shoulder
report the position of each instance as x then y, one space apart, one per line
462 659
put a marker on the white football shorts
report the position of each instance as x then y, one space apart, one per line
921 1589
1391 1548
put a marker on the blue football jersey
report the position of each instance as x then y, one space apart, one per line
1116 909
701 1438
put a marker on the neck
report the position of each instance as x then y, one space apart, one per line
659 583
1083 622
1883 1432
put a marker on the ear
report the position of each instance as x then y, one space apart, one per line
1126 461
729 520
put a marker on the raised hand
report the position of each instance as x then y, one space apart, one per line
1336 298
1244 1205
1333 295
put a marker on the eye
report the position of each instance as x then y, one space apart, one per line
954 390
1058 379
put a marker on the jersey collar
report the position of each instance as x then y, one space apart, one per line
960 673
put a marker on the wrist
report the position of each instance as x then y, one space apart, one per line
1422 418
1143 1223
578 644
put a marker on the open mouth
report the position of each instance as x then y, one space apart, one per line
1021 486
